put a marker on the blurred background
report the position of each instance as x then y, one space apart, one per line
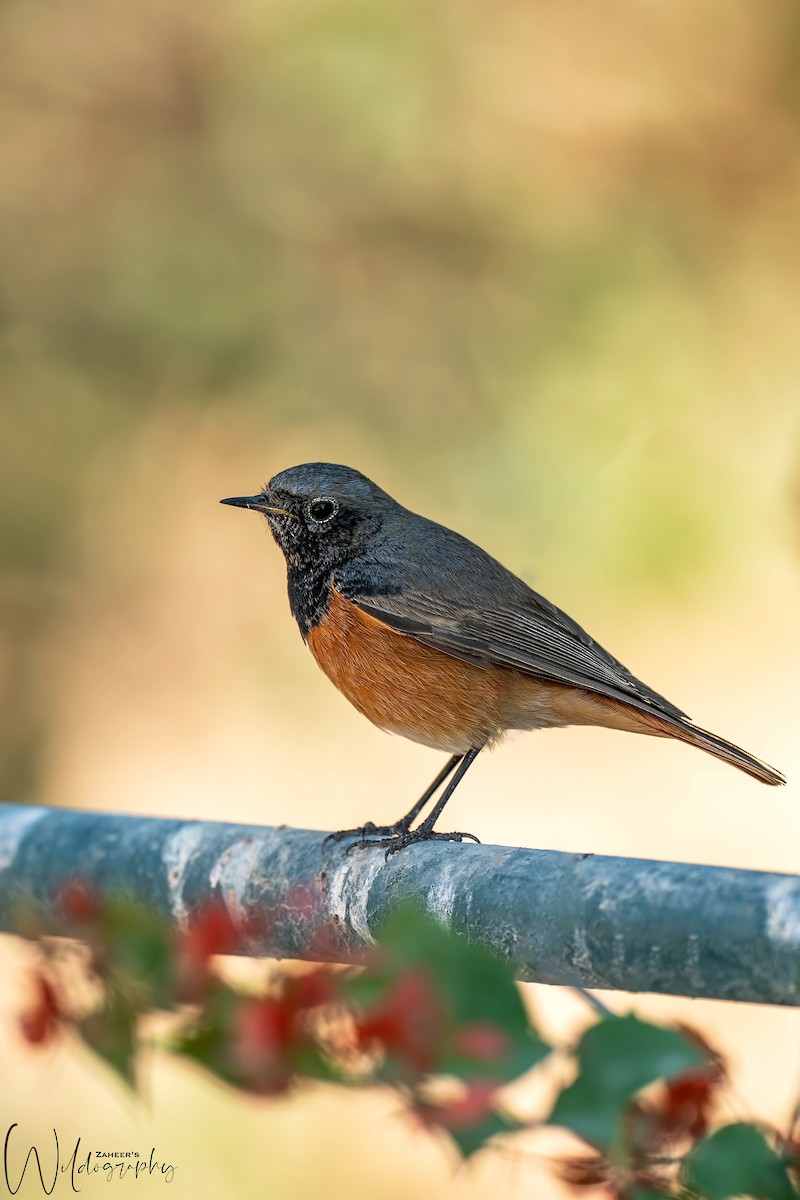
533 267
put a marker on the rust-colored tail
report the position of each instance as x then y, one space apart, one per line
647 721
727 751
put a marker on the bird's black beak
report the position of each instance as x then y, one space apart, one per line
244 501
258 503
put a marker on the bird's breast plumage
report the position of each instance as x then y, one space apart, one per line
413 690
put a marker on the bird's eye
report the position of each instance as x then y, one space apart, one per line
322 509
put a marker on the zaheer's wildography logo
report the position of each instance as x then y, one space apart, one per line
79 1167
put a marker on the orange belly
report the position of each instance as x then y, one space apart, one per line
425 695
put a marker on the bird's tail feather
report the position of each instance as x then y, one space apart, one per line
685 731
727 751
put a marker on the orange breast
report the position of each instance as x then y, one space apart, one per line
429 697
401 685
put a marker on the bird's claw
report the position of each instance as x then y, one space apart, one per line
396 838
414 836
362 832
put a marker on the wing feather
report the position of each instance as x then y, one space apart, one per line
534 637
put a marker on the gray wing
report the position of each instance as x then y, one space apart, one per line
459 600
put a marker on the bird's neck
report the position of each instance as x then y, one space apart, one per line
309 595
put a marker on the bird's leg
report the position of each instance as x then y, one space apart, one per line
404 824
427 825
425 831
402 836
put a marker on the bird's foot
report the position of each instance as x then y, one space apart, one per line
362 832
400 838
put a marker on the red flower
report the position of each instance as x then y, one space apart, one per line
79 901
686 1104
210 931
408 1023
682 1107
43 1021
311 989
264 1034
468 1110
481 1041
270 1033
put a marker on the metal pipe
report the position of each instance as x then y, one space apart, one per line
585 920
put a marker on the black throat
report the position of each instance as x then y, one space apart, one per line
309 595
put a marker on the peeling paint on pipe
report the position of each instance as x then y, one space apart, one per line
590 921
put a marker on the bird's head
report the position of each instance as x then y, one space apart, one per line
320 514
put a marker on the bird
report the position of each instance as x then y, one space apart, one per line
432 638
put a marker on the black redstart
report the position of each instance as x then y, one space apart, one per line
430 637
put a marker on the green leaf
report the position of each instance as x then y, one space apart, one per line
738 1160
477 988
111 1033
207 1040
140 953
618 1057
472 1138
210 1041
520 1054
479 985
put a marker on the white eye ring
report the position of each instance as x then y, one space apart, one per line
326 509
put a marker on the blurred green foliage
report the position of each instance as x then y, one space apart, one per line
431 1015
542 259
737 1160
